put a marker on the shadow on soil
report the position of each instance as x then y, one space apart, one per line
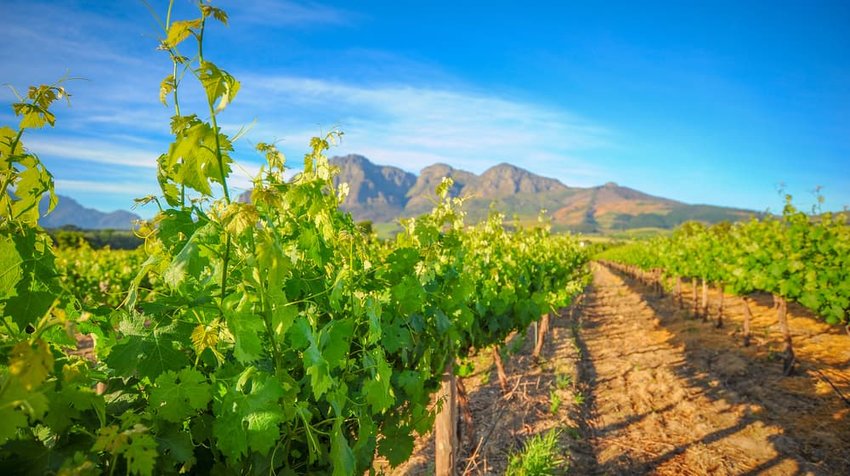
818 448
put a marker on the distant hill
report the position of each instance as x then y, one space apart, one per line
383 193
69 212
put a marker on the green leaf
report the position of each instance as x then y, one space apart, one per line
336 340
10 267
396 444
317 368
177 396
17 406
149 354
219 85
342 458
141 454
377 390
28 306
30 365
408 294
247 331
177 444
249 421
192 158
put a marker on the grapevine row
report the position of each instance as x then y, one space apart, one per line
795 257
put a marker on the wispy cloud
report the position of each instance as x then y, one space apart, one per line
289 13
414 126
64 186
94 150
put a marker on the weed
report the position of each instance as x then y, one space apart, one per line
563 381
540 456
554 402
578 398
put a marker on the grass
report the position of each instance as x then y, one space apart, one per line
540 456
578 398
554 402
563 381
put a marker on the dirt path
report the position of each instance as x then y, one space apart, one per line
634 385
672 395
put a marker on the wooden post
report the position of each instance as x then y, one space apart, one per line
678 290
696 301
500 369
748 316
782 317
704 300
541 336
445 431
720 306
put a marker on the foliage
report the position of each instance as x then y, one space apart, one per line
799 257
72 237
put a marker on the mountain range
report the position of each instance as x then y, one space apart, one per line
381 194
69 212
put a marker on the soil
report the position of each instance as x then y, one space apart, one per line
646 388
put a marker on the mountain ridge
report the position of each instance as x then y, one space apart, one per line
69 212
382 194
518 193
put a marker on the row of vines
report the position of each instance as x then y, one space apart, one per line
795 257
267 337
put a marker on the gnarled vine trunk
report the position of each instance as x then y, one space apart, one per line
704 306
748 317
542 329
694 296
721 298
500 369
788 350
678 291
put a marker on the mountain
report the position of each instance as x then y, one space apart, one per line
376 193
382 194
69 212
422 196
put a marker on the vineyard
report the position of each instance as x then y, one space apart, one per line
792 258
245 337
276 336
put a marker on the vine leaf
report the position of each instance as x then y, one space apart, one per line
177 396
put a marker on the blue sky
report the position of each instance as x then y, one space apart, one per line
704 102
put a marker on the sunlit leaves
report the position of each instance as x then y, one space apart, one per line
166 87
179 31
199 155
219 85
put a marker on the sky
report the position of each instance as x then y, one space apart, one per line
718 102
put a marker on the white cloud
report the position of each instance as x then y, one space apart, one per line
288 13
414 126
94 150
139 189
